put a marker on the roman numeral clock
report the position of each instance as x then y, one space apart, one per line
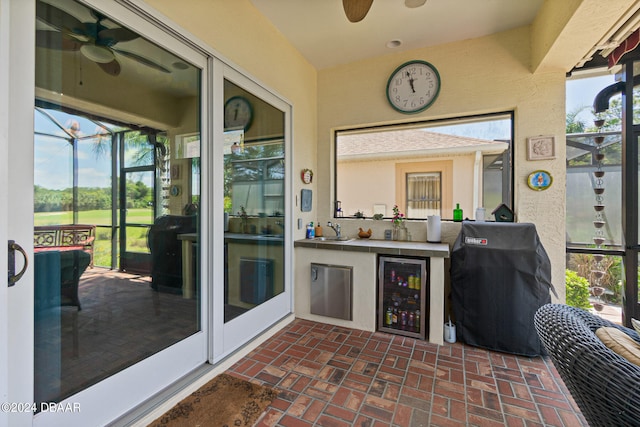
413 87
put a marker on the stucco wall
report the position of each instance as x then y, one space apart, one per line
364 182
490 74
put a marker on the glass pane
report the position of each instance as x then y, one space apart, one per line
107 297
254 201
380 158
139 197
594 283
94 180
587 191
492 179
423 194
138 151
636 96
53 180
102 255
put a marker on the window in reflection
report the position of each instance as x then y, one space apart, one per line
426 168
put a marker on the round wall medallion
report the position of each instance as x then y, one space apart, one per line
539 180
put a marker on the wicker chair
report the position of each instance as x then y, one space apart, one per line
605 386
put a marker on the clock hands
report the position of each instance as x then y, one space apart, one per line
411 82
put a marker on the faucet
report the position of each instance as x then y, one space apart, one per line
335 227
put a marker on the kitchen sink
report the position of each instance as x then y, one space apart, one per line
334 239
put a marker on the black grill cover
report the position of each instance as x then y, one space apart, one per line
500 276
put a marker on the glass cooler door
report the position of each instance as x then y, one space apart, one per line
403 308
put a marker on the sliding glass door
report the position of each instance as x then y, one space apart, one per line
114 224
255 153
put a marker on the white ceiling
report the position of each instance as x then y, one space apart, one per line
320 30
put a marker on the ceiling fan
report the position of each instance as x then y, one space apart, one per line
356 10
95 40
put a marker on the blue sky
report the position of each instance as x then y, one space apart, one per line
581 92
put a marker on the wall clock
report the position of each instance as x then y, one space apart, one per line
238 113
413 86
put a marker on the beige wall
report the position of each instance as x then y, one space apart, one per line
240 34
362 182
484 75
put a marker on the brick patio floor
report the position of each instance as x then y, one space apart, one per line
334 376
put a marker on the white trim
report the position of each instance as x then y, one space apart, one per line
19 207
139 382
240 330
4 185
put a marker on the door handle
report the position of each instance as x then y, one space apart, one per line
13 277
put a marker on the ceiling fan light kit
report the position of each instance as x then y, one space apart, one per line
414 3
98 54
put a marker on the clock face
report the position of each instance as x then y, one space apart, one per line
237 113
413 87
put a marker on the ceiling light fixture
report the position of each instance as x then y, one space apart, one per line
414 3
98 54
392 44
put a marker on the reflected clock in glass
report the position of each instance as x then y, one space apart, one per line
238 113
413 87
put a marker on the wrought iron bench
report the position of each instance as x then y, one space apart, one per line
604 385
65 238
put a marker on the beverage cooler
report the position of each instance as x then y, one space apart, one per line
403 307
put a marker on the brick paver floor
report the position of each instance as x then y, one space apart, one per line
334 376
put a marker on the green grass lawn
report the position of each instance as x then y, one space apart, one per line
97 217
136 236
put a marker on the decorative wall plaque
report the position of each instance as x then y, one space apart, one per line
541 148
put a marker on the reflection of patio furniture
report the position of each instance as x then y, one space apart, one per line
68 237
166 251
56 277
605 385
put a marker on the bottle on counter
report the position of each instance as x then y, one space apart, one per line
457 213
310 231
318 230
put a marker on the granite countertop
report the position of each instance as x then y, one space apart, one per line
383 247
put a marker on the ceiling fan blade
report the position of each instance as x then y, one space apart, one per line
112 68
111 36
57 18
356 10
55 40
142 60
